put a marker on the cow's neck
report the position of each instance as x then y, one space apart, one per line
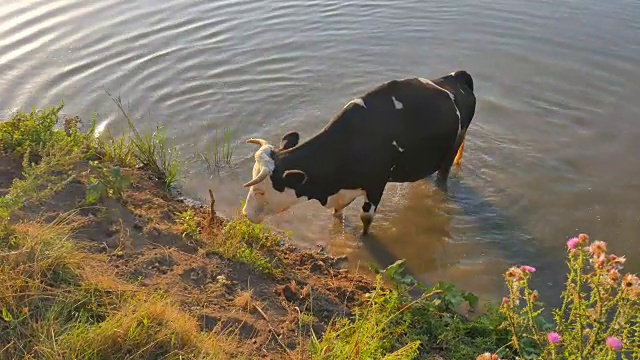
316 156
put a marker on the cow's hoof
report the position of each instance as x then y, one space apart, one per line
442 184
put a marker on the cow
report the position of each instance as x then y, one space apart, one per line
400 131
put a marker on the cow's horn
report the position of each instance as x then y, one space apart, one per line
258 142
263 174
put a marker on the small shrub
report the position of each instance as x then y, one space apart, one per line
599 315
32 132
40 181
29 131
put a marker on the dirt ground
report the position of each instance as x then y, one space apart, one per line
143 245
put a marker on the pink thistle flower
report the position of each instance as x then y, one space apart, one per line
614 343
631 282
534 296
598 248
513 274
573 243
599 261
527 268
554 338
617 262
584 238
614 275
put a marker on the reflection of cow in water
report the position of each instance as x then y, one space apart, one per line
401 131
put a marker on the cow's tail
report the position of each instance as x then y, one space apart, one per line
464 78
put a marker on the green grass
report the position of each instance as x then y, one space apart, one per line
219 153
58 301
55 301
392 325
148 150
148 328
242 241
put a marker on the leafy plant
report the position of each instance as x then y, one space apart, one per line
390 323
29 131
189 222
105 182
32 132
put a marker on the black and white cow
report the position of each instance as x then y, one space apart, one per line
401 131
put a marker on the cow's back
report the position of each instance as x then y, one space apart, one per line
406 128
399 131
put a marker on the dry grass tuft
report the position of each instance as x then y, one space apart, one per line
146 329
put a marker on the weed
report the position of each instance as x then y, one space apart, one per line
190 224
43 291
32 132
249 243
372 334
220 153
40 181
390 324
118 151
105 182
151 150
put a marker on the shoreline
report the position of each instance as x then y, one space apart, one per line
104 257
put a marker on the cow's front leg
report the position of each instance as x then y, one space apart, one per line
369 208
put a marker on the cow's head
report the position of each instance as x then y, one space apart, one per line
272 190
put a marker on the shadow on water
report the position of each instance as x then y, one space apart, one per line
461 236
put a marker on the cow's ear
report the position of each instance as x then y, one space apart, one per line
294 178
289 140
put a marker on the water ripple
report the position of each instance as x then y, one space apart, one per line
557 85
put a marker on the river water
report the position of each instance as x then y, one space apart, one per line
551 152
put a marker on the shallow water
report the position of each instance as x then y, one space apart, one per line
551 151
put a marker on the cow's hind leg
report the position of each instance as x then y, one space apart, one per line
370 206
447 163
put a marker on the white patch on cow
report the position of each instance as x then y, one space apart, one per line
427 81
263 159
393 167
342 199
356 101
397 103
394 143
263 200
